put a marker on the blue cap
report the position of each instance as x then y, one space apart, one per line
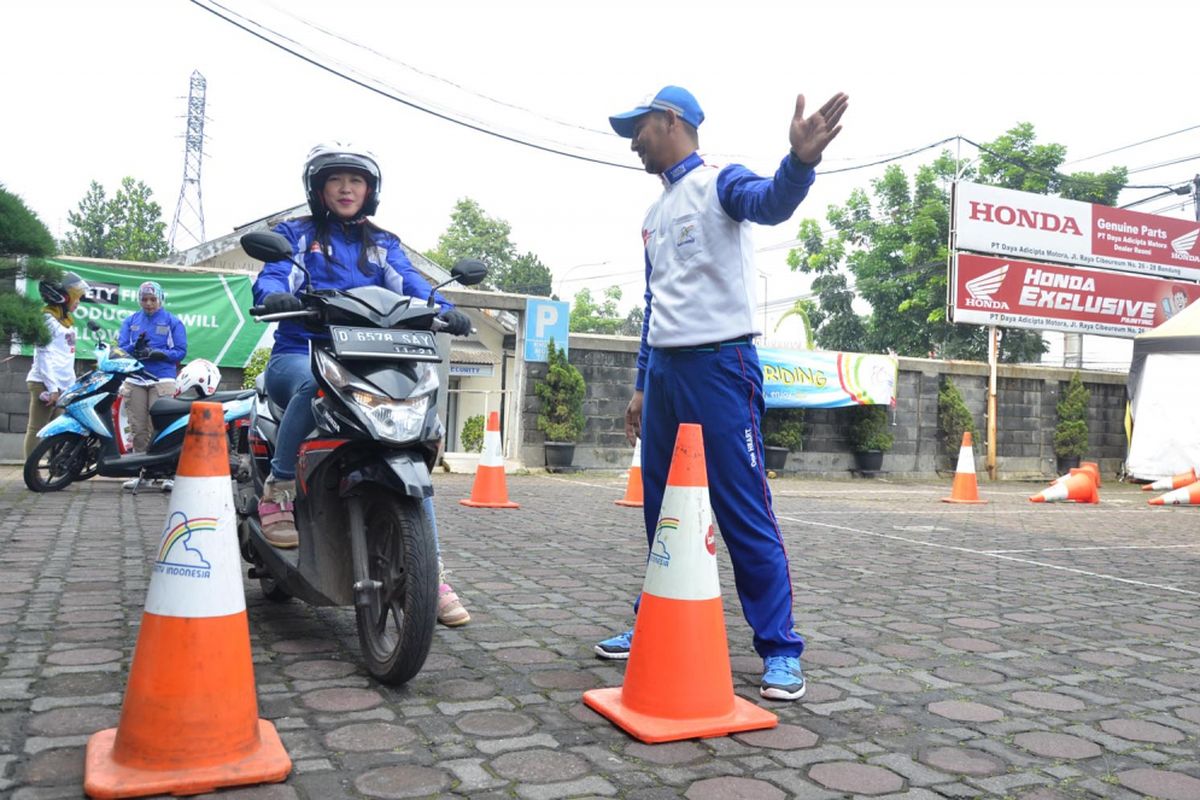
669 98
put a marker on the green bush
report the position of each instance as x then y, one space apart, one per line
1071 433
954 419
471 437
784 427
869 429
561 393
254 366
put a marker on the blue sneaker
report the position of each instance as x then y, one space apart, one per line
782 678
615 647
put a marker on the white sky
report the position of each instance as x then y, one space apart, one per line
104 88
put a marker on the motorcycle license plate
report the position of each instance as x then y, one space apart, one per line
383 343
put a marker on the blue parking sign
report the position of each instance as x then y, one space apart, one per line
546 320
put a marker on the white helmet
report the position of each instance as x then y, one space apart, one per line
200 377
329 157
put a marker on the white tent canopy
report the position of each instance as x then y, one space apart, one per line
1164 392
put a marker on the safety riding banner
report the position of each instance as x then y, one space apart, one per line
211 307
820 379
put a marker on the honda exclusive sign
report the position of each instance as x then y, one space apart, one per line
989 219
1021 294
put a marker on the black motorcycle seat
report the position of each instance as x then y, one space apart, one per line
174 406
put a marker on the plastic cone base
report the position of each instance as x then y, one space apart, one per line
745 716
633 490
489 490
106 778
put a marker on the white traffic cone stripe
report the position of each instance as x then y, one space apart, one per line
637 453
1057 491
491 457
966 460
683 562
197 568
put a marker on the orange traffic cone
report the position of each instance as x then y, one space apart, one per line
1184 496
1177 482
965 488
633 487
1094 468
1078 487
190 722
490 490
678 684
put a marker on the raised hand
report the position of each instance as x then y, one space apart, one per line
809 136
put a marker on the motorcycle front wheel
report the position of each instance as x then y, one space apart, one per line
56 461
396 629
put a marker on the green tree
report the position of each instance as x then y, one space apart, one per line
92 222
473 234
893 242
954 419
128 227
24 242
632 324
1071 432
138 229
589 316
527 275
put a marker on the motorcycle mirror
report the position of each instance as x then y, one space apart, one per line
469 271
266 246
92 326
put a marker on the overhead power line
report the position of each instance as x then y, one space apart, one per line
404 101
1135 144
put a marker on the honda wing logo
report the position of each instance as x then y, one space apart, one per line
1184 244
982 288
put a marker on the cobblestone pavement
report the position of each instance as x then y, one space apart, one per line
1005 650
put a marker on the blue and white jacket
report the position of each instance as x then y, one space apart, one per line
336 268
700 275
163 332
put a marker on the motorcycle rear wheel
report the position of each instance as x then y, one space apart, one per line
396 631
55 462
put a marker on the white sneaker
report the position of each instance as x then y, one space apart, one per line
167 484
131 484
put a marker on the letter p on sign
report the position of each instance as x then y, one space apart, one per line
546 317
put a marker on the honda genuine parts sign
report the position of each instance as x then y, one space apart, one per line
1005 222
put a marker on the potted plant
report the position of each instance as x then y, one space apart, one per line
954 419
1071 432
869 437
783 433
561 417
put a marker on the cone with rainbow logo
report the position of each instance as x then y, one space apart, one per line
189 723
633 487
678 682
489 489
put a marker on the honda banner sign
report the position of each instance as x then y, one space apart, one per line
1021 294
988 219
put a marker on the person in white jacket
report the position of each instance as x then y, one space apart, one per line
53 369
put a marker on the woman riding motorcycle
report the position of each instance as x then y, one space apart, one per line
341 249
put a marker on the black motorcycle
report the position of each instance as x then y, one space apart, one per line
361 478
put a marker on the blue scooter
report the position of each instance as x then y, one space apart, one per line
80 443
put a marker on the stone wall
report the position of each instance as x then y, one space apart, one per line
1026 403
1026 400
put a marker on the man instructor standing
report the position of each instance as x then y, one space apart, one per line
697 363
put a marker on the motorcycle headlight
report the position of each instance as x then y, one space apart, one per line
397 420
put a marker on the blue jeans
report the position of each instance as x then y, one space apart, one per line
291 386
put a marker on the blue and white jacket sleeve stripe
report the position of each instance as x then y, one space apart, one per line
643 358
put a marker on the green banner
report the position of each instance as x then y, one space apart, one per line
211 307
